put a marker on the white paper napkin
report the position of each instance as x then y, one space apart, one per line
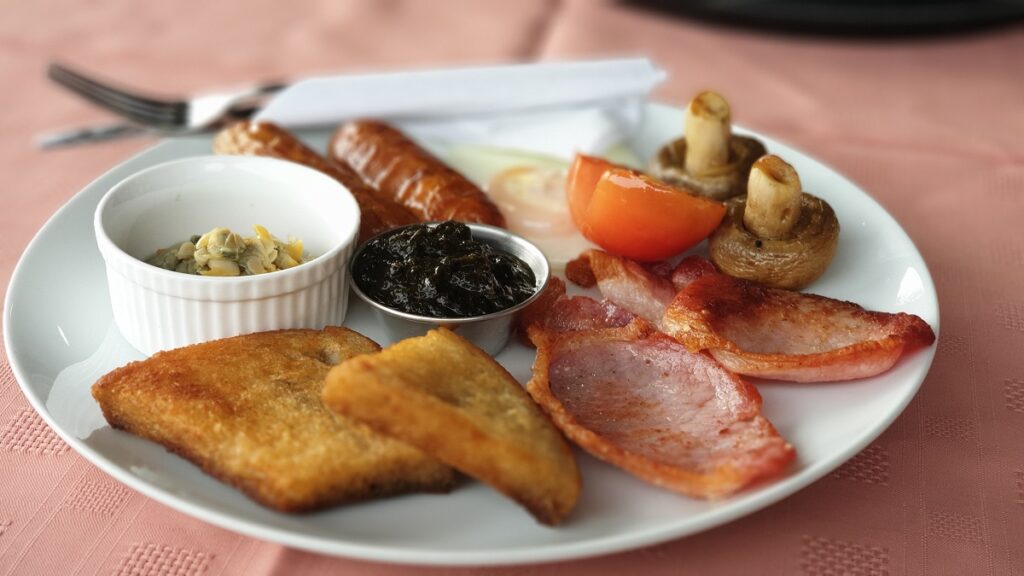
556 108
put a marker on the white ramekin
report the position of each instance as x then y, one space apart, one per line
157 309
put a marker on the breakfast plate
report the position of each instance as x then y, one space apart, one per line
60 337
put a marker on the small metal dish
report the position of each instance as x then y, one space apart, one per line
489 332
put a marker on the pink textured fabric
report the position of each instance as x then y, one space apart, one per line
930 127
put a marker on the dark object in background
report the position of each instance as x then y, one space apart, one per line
885 18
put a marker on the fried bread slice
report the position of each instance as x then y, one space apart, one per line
247 411
450 399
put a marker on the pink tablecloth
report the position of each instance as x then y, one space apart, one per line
932 128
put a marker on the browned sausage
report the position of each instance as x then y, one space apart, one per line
411 176
377 213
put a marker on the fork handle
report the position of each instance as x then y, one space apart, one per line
89 134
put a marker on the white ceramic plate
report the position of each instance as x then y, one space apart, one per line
60 338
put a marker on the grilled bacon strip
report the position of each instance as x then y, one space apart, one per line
625 282
759 331
782 335
639 400
377 214
554 311
409 175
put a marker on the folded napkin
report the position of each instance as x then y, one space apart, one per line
556 108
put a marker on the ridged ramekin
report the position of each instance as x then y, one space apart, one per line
157 309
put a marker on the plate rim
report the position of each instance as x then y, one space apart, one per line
742 505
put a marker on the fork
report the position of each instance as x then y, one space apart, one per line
149 113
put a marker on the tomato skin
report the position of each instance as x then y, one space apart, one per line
580 185
644 219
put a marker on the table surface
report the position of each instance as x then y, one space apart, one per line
931 127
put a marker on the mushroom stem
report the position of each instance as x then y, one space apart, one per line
773 198
708 129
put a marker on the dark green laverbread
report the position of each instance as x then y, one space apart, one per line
442 272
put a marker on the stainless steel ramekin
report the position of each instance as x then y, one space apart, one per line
490 332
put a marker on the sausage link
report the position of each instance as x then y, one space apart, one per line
403 171
377 214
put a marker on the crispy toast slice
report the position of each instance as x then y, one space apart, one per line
450 399
247 411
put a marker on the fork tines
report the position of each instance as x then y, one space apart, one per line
145 110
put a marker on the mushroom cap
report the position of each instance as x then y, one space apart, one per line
720 183
789 263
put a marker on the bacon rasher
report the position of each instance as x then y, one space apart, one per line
555 311
760 331
784 335
639 400
624 282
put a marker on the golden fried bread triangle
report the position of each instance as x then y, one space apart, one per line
247 411
450 399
